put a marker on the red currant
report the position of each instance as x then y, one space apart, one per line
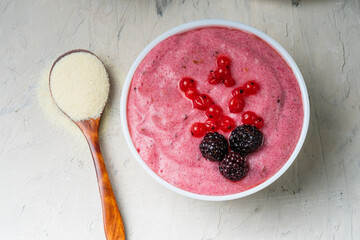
251 87
198 129
211 125
240 91
227 124
228 81
186 83
191 93
223 61
214 111
236 104
202 102
249 117
259 123
223 72
214 77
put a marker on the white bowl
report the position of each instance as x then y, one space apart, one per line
222 23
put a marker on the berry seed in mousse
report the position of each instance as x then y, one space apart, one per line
160 116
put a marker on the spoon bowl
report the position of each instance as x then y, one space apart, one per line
113 224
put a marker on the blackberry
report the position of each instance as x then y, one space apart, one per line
214 146
245 139
234 166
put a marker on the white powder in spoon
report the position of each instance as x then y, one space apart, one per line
80 85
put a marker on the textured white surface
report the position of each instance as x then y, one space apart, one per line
47 181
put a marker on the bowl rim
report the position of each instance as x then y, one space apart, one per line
215 23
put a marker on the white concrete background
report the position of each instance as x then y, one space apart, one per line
48 188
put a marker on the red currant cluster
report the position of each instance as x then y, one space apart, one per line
237 102
222 73
200 101
251 118
238 94
216 120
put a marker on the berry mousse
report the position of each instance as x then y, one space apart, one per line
214 111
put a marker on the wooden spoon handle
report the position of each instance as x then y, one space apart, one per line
113 224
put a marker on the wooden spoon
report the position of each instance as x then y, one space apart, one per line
113 224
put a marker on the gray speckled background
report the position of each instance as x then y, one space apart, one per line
47 181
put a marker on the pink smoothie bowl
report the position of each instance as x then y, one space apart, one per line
228 24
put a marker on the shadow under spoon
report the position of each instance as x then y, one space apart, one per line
113 224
